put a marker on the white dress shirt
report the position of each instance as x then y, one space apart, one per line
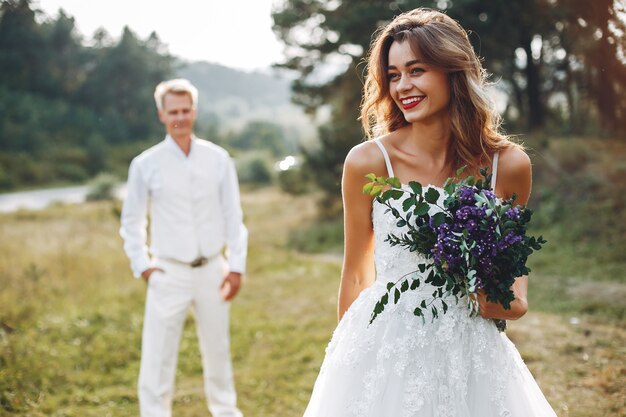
194 206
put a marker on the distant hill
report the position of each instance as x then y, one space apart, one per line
220 83
237 97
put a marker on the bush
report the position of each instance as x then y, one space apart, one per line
253 169
293 181
102 187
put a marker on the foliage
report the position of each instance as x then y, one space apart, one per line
64 105
73 107
259 135
294 180
468 240
102 187
561 63
253 168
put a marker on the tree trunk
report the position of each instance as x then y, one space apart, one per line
605 90
536 112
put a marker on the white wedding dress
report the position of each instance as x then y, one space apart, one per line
399 366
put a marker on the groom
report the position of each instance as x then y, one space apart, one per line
189 189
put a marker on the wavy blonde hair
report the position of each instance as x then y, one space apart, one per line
441 42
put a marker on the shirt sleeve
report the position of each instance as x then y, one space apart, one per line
134 220
236 232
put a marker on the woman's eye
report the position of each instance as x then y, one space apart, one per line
392 76
417 70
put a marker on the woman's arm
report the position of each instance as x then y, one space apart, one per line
514 177
358 261
519 306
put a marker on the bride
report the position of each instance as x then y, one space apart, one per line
425 100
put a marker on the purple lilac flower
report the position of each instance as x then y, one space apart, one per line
509 240
489 194
513 213
466 195
479 229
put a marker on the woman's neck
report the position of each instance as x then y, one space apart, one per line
432 140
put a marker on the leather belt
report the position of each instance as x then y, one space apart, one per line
196 263
199 261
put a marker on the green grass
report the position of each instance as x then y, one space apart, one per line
72 313
71 317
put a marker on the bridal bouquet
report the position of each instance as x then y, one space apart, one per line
473 240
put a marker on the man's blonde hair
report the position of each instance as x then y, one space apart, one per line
175 86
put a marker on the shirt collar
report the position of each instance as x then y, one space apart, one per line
172 145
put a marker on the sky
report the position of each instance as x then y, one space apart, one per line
234 33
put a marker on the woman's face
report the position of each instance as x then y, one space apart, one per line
420 91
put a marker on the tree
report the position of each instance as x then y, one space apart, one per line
601 50
66 69
260 135
121 84
22 66
539 50
322 36
62 103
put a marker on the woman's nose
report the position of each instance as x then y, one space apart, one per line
404 83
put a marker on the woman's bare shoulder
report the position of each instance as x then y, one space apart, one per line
514 158
515 173
365 158
513 162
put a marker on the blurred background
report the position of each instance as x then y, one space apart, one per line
280 86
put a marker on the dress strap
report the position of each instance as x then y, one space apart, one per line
494 170
386 156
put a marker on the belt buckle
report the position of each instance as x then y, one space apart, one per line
198 262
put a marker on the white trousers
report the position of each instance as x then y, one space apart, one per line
170 296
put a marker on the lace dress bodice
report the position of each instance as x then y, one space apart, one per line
393 262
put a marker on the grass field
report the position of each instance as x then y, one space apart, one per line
71 317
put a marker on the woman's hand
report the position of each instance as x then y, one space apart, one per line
519 306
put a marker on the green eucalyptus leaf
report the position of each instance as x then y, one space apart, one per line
395 194
421 208
376 190
431 196
416 187
408 203
394 182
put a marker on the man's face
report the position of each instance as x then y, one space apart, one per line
178 115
